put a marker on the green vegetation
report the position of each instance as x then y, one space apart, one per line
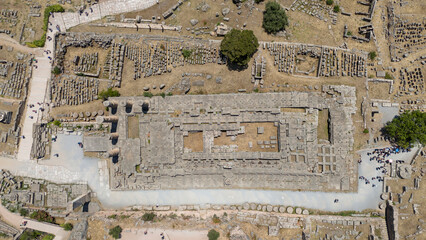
113 216
407 128
23 212
365 130
30 234
49 237
124 216
213 234
57 123
105 94
115 232
238 46
258 1
42 216
256 90
274 18
148 94
186 53
372 55
336 8
329 2
56 70
388 76
216 219
349 33
67 226
148 217
47 11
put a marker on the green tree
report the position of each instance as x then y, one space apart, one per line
56 70
186 53
258 1
105 94
372 55
407 128
49 237
238 46
329 2
42 216
115 232
336 8
67 226
148 217
23 212
274 18
213 235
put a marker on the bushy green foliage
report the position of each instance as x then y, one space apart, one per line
105 94
366 130
336 8
57 123
42 216
148 217
23 212
115 232
47 11
388 76
113 216
56 70
49 237
29 235
238 46
186 53
407 128
372 55
67 226
329 2
274 18
213 234
148 94
216 219
258 1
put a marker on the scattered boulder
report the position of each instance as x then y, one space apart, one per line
193 21
225 11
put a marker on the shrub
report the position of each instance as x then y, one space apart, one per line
407 128
258 1
57 123
365 130
213 234
56 70
216 219
336 8
113 216
148 217
388 76
42 216
186 53
274 18
372 55
115 232
23 212
105 94
329 2
67 226
238 46
349 33
148 94
49 237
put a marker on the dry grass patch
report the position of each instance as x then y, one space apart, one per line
194 141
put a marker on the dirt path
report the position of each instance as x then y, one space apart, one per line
6 40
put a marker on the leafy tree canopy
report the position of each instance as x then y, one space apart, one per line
274 18
407 128
239 46
105 94
213 235
115 232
